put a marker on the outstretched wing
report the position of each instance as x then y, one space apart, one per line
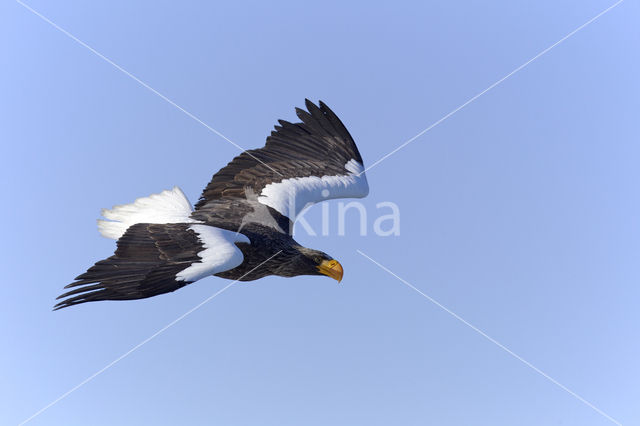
152 259
301 164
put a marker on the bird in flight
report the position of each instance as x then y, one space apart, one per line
241 227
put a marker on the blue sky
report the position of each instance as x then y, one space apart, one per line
520 213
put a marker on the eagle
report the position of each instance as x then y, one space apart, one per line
241 228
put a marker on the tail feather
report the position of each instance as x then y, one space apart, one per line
169 206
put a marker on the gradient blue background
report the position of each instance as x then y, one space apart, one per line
520 213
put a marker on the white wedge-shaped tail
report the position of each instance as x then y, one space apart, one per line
169 206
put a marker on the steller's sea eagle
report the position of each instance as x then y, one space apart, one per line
243 218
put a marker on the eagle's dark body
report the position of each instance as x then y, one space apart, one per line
283 250
240 229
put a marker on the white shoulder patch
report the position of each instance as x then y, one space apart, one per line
220 252
290 196
169 206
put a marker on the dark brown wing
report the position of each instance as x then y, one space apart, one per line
152 259
319 147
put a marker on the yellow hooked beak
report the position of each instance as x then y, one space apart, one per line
331 268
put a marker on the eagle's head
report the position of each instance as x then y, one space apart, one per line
306 261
